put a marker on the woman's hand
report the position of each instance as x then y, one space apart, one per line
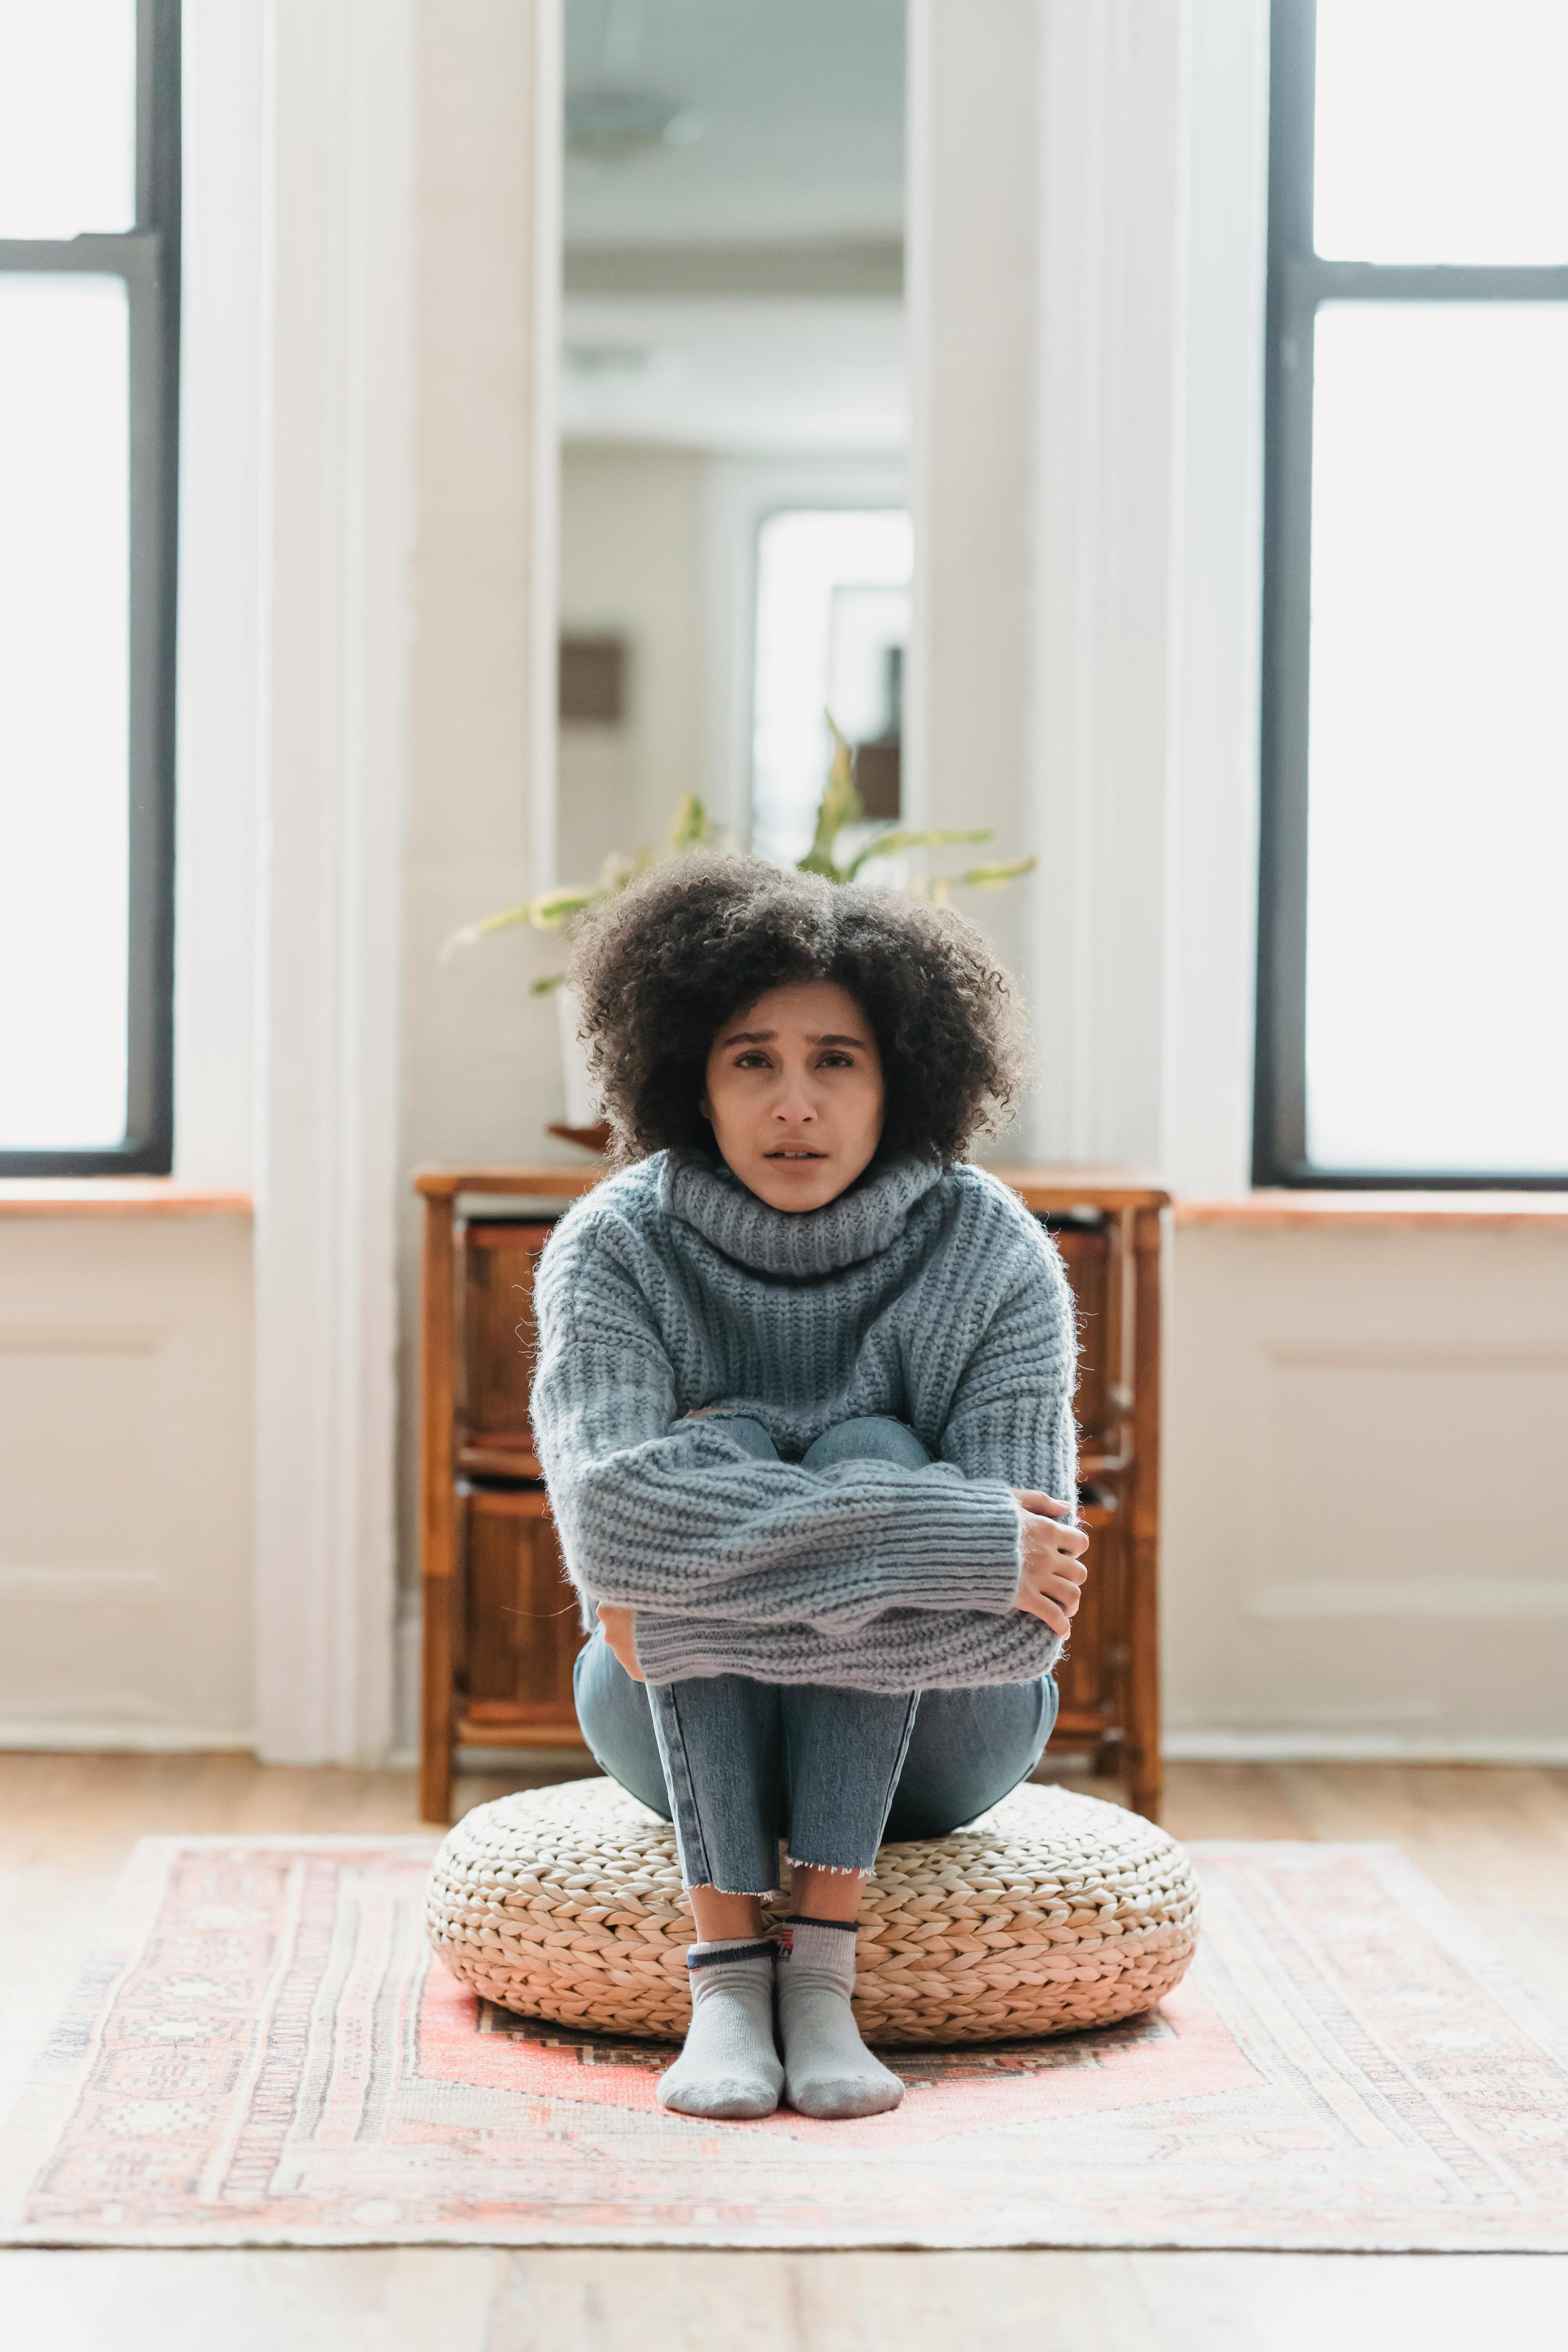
617 1625
1054 1572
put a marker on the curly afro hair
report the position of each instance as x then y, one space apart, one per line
657 968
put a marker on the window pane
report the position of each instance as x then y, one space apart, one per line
63 709
833 603
1437 946
68 116
1439 131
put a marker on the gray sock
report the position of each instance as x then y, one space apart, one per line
728 2066
828 2070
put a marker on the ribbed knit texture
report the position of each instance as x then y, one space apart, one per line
925 1292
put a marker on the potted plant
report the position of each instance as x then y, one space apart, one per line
843 845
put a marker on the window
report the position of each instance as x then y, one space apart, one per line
1413 945
88 344
833 620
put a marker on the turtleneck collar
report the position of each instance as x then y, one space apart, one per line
708 1196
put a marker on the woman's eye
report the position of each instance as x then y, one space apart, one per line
838 1062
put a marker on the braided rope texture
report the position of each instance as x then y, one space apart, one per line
1050 1913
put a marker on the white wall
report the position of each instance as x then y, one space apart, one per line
125 1341
479 1065
1360 1545
972 260
125 1460
221 729
631 565
1361 1421
1364 1550
1087 216
478 1062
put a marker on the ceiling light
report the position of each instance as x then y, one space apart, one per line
613 121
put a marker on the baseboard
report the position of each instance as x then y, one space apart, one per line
92 1733
1358 1747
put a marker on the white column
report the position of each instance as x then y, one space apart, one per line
480 1057
1106 551
338 508
1085 244
1148 513
971 245
1211 850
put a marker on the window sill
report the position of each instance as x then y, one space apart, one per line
1465 1211
116 1196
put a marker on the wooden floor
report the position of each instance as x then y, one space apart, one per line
1495 1840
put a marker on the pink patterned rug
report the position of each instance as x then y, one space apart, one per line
263 2052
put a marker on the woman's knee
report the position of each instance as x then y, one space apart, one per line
870 1437
617 1723
746 1433
969 1749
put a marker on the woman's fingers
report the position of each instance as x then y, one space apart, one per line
620 1633
1049 1612
1054 1572
1065 1595
1044 1540
1045 1506
1042 1523
1053 1578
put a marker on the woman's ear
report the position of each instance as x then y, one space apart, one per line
702 1110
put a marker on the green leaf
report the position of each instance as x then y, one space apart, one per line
553 911
893 845
548 912
996 878
554 908
548 985
840 805
690 828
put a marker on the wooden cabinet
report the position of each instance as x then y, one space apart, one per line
500 1621
495 1357
516 1627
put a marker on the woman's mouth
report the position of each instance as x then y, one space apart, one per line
788 1154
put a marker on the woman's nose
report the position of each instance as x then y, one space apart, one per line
793 1104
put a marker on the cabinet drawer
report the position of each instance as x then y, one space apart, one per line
518 1630
1090 1678
1087 1252
499 1341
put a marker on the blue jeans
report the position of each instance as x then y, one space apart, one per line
737 1764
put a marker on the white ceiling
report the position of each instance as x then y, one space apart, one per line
788 377
800 104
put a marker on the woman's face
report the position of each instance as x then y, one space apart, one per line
794 1094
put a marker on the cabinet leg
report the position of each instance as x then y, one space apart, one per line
438 1549
435 1783
1145 1792
436 1743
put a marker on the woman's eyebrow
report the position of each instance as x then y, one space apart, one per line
766 1037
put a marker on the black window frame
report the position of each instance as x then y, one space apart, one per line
1299 281
147 258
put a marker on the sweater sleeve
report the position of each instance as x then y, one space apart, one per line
1010 1422
1011 1416
671 1517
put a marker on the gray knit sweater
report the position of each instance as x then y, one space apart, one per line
927 1293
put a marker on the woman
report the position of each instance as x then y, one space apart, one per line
804 1404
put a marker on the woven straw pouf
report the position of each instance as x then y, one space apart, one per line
1053 1911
